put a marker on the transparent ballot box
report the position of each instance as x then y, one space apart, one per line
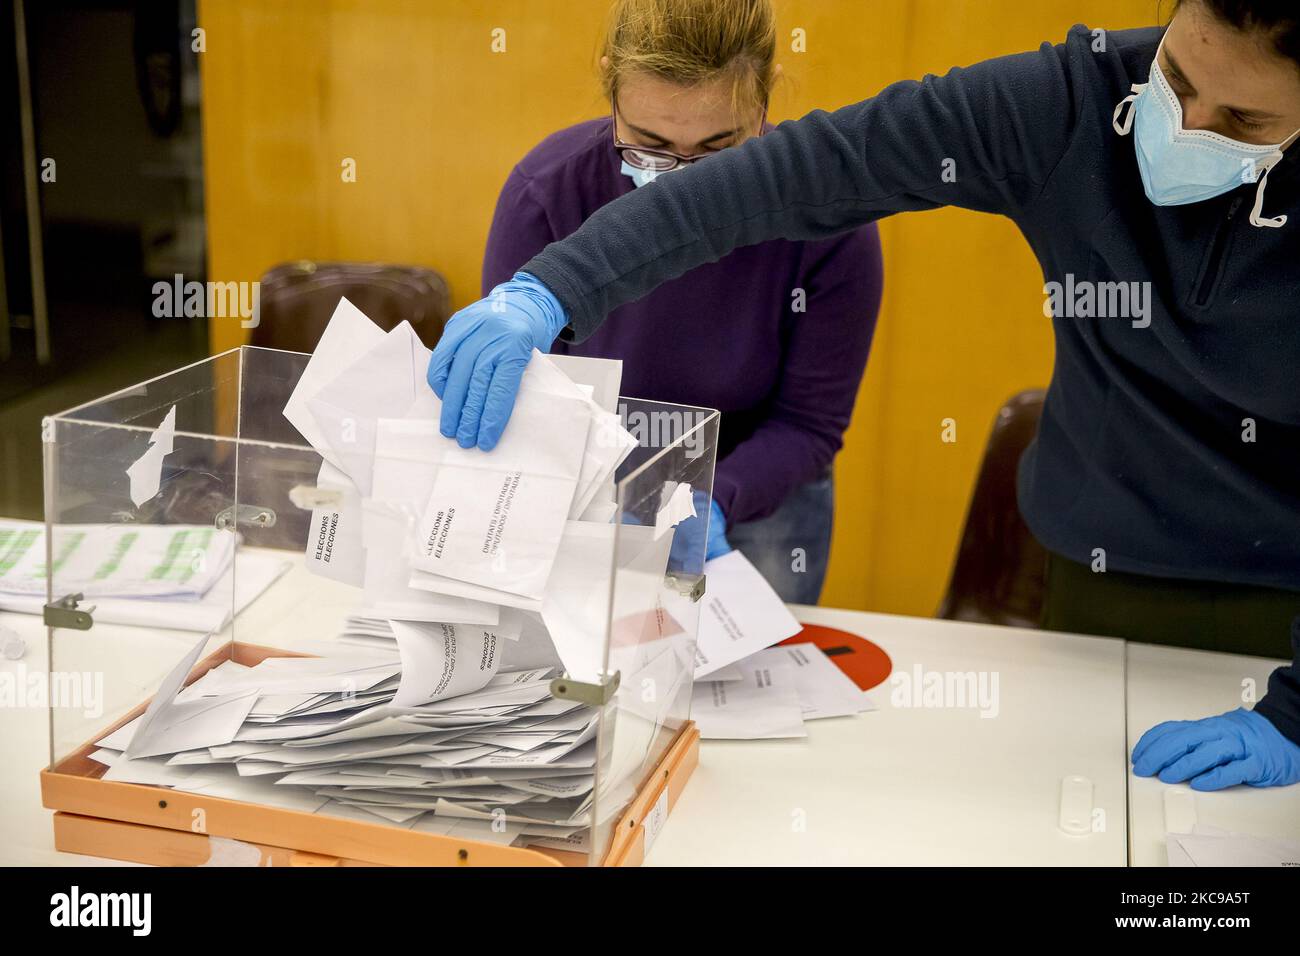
255 659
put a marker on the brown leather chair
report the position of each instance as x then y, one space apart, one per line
298 298
998 577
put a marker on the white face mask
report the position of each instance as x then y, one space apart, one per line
1181 166
640 177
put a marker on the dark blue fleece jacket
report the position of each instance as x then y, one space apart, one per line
1171 433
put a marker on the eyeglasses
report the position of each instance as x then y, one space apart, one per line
653 160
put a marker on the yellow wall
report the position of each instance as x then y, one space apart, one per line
411 90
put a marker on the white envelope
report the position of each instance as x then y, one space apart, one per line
382 383
353 677
741 614
823 689
603 376
603 506
193 724
608 445
157 713
444 660
407 454
388 594
334 544
495 519
764 705
437 584
200 723
534 647
608 442
348 334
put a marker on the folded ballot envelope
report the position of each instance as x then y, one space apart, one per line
407 455
382 383
488 525
603 376
334 546
495 519
348 335
389 536
608 442
452 546
447 660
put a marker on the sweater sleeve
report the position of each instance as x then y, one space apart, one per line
520 229
824 356
1281 704
986 137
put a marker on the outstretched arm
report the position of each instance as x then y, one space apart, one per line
985 137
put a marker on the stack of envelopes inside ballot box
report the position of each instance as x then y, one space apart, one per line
329 634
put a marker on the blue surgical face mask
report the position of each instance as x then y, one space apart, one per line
1181 166
640 177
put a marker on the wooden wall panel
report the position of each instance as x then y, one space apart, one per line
411 90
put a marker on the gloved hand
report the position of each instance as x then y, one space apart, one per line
478 362
717 544
1240 746
686 536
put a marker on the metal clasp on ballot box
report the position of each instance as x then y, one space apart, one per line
65 612
230 518
688 585
593 695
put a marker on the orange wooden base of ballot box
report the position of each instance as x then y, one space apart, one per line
147 824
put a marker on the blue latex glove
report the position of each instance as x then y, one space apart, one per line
478 362
686 536
717 544
1240 746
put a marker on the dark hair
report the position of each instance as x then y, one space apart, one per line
1279 19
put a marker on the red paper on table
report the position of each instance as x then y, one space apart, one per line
864 663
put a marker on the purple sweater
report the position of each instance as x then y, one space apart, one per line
725 335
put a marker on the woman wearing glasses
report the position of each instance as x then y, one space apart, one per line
774 335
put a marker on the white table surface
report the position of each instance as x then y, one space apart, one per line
26 829
923 786
895 786
1174 683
